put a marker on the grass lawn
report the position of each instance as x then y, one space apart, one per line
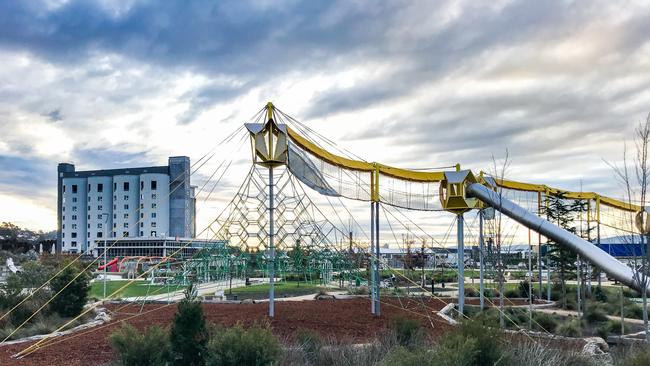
282 289
136 288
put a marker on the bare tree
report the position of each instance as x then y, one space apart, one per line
498 172
635 182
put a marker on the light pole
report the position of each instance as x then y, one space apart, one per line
105 233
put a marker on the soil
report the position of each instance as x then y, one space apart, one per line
341 320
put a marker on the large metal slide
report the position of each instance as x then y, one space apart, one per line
587 250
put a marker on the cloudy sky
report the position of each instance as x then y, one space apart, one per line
560 84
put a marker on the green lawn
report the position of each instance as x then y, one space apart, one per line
136 288
282 289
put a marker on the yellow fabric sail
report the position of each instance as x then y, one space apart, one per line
340 161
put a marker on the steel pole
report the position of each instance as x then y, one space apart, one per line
372 258
271 248
461 265
480 258
105 249
378 255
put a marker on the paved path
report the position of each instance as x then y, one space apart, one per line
575 314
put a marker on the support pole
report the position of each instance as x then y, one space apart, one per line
461 265
481 240
530 282
372 258
271 248
377 263
539 247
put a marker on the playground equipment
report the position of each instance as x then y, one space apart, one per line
275 143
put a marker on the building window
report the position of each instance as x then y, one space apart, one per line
64 188
74 217
99 217
89 198
126 207
126 225
154 185
99 208
74 199
126 186
142 206
100 199
126 198
63 226
74 226
153 224
89 234
100 234
88 217
100 187
125 234
114 207
89 226
126 215
74 208
73 235
73 244
141 187
153 196
153 233
64 217
99 225
153 205
114 197
153 215
63 235
74 188
141 224
88 187
114 225
115 186
142 233
63 208
142 215
88 207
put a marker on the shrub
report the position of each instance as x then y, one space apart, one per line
237 346
358 290
471 292
610 327
408 332
400 356
133 348
570 328
488 342
524 288
512 293
310 342
72 286
637 356
595 313
188 335
544 322
599 295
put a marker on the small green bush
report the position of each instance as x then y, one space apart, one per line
571 328
188 336
471 292
595 313
237 346
488 342
524 288
408 332
310 342
512 293
133 348
400 356
72 286
636 356
599 294
610 327
544 322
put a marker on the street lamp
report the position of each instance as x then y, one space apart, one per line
105 233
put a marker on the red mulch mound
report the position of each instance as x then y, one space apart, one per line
346 320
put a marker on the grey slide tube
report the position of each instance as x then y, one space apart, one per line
587 250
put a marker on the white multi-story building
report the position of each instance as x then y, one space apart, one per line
145 202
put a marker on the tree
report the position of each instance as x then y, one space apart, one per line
559 211
188 335
72 286
636 184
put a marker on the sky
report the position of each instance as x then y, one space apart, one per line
560 85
